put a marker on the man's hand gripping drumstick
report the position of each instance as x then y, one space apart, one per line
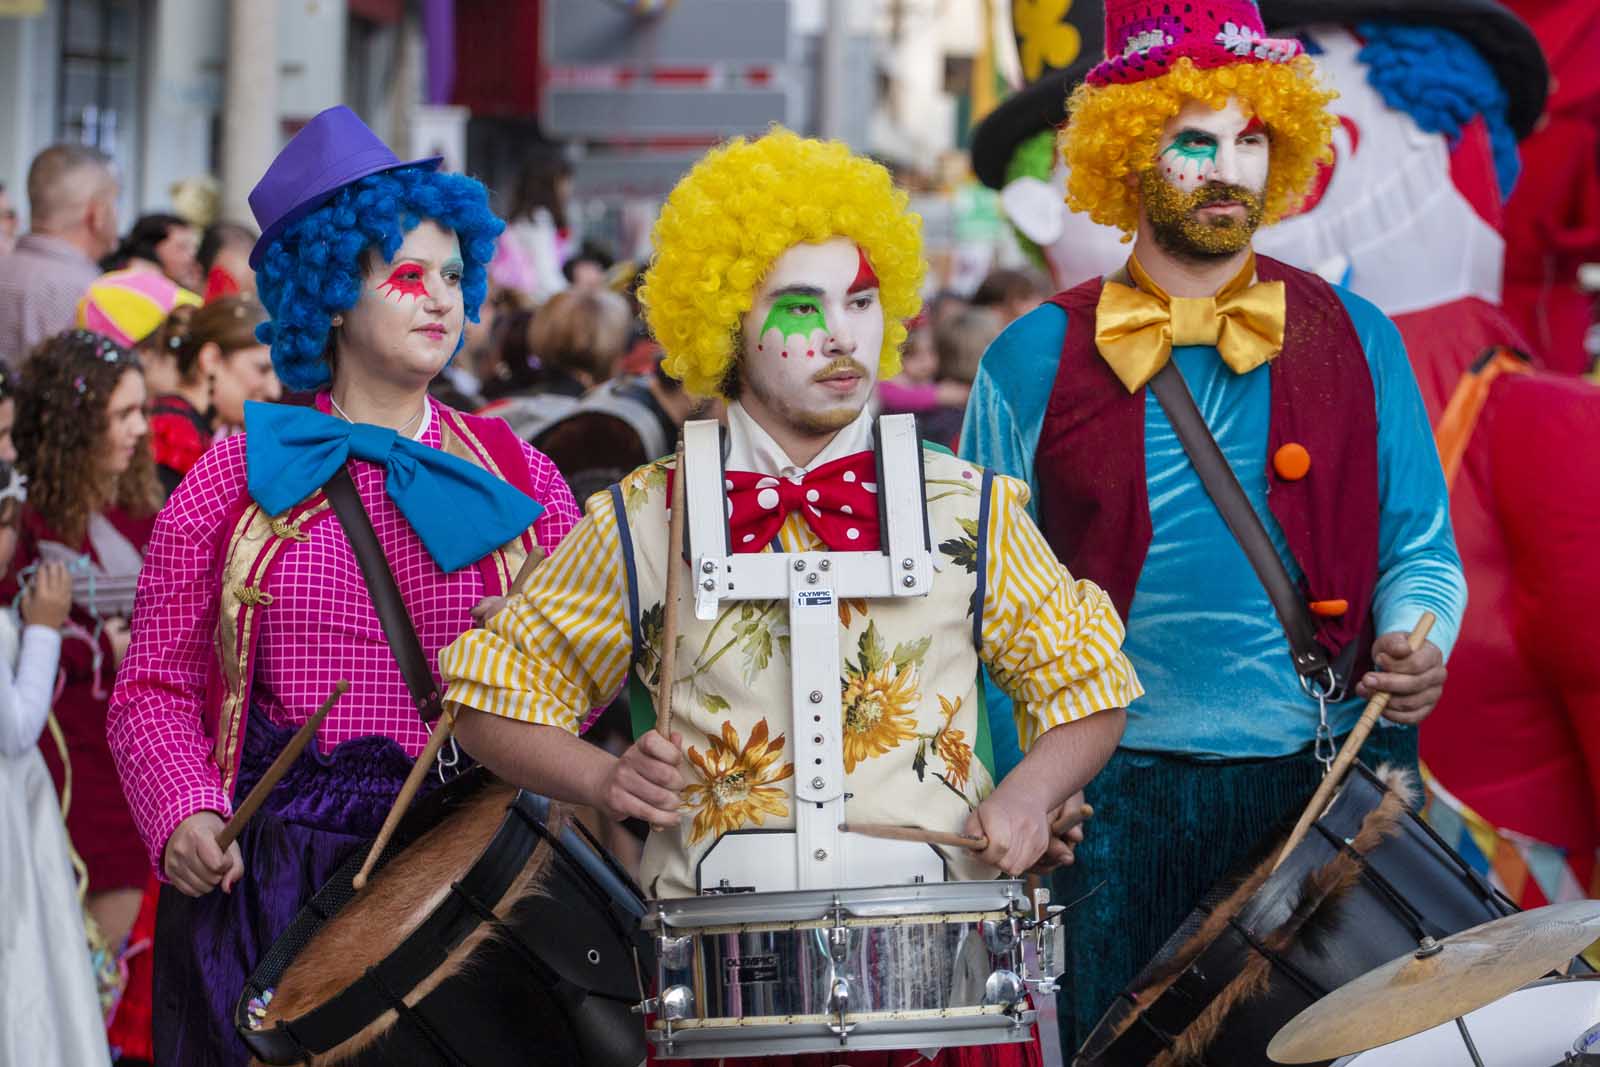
442 730
202 853
1067 826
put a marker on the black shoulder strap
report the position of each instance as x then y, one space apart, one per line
392 613
1222 485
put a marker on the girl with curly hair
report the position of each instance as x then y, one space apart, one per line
253 602
220 364
84 446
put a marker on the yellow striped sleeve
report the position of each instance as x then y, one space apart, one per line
560 648
1053 643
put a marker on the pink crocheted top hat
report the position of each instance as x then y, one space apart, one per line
1144 38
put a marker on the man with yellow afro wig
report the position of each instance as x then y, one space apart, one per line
1196 129
784 270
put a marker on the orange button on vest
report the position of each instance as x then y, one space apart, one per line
1291 462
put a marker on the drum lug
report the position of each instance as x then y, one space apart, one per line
1004 987
677 1003
839 1005
674 952
838 935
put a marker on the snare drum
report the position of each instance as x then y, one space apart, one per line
1537 1026
924 965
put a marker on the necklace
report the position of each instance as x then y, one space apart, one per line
403 426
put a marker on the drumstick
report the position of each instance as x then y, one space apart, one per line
890 832
668 659
1348 753
430 751
535 557
280 767
414 779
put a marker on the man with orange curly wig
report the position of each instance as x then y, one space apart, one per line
1195 130
784 271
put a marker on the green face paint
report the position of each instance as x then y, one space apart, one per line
793 315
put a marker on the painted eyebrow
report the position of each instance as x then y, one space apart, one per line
812 291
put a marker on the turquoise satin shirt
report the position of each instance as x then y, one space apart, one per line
1201 631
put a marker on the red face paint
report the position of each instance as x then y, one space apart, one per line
405 281
865 279
1256 126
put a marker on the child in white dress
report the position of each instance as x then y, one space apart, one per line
49 1009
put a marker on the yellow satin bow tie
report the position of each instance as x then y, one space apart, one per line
1136 328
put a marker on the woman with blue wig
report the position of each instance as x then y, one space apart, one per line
253 602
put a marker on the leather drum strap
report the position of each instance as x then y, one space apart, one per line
1222 485
392 613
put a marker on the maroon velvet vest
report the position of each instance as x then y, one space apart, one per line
1094 507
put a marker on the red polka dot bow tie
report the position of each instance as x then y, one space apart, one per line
839 500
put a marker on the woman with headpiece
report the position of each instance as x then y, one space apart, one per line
48 1010
253 603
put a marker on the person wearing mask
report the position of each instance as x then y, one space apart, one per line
220 364
455 502
224 257
72 209
8 222
84 447
163 244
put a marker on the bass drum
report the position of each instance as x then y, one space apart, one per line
1366 885
494 931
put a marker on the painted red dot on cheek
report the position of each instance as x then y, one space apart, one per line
811 352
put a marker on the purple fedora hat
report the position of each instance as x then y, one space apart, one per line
331 151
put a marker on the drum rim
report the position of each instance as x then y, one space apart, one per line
688 914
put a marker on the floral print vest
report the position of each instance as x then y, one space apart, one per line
916 740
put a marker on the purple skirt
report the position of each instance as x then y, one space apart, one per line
324 808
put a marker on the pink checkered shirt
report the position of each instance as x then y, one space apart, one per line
320 627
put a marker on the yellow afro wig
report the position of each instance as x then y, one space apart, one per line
1115 132
744 205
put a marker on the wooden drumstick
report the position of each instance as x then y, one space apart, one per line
430 752
1347 754
280 766
890 832
408 791
668 659
535 557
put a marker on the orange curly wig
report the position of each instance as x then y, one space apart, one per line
1114 132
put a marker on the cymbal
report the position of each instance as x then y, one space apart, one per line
1438 982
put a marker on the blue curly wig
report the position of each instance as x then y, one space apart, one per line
1443 82
315 270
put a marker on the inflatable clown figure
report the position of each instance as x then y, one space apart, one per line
1433 98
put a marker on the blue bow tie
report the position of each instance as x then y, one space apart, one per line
460 511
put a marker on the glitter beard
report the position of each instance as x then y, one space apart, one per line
1178 228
